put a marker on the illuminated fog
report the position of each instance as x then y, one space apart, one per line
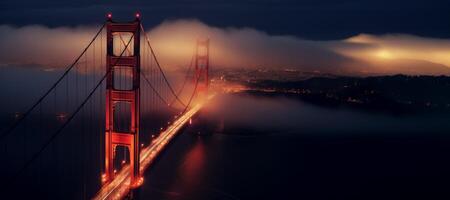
239 48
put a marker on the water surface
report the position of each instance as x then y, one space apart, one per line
279 148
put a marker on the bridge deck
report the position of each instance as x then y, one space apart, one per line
120 186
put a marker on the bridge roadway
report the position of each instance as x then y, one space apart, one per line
120 186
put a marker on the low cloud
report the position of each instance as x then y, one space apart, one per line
246 47
174 42
39 45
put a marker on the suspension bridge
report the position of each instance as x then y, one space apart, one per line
104 120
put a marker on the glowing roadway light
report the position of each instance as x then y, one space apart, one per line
120 185
103 178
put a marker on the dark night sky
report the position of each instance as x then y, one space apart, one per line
311 19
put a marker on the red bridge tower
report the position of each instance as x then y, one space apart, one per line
202 66
115 95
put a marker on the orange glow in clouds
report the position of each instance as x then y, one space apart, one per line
399 47
174 43
384 54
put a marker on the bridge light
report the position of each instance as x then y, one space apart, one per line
103 178
109 15
138 15
139 182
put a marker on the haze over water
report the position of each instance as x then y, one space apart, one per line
251 146
280 148
260 147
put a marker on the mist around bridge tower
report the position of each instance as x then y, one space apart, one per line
240 48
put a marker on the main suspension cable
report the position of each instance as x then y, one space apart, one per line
61 128
186 77
160 69
13 126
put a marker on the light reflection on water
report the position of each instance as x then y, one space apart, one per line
279 148
193 165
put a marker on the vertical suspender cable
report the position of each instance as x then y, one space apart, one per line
13 126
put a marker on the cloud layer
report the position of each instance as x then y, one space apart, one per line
240 48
